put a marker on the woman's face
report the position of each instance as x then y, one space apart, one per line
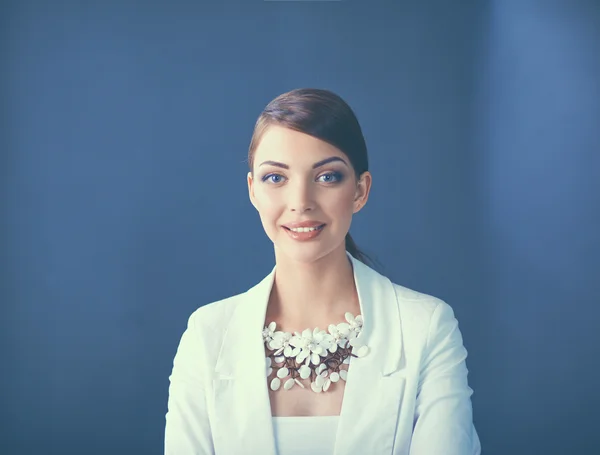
298 178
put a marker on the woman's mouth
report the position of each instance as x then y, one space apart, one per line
304 233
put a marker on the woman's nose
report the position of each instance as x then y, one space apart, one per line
301 198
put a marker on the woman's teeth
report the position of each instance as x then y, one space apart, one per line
306 229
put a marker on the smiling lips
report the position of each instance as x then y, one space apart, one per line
306 230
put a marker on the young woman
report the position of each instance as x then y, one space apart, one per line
325 355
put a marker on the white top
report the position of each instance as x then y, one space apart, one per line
305 435
409 330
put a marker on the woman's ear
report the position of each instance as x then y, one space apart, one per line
251 189
363 188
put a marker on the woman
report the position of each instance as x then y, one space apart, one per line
324 355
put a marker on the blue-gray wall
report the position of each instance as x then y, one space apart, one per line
124 130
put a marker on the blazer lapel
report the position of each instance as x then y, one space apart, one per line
242 406
369 415
370 406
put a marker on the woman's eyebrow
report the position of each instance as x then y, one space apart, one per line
316 165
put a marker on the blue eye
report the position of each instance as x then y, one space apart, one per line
332 177
329 177
268 176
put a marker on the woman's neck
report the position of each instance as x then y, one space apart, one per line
308 295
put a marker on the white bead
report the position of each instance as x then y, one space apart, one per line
335 377
356 343
344 374
363 351
269 371
324 373
326 385
299 383
304 372
315 389
300 358
288 384
315 358
343 329
268 361
275 383
282 372
321 368
319 381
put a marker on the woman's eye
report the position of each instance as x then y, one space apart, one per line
331 177
273 178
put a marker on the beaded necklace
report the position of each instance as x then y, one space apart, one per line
313 356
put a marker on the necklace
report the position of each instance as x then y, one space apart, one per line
313 355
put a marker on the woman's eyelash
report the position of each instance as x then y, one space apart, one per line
266 177
336 175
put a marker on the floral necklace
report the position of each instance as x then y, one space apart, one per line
314 355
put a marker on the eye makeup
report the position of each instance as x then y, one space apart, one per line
331 177
335 175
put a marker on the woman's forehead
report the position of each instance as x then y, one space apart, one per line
279 143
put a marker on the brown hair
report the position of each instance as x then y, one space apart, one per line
322 114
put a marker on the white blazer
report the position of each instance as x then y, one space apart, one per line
408 396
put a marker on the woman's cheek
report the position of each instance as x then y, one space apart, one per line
267 197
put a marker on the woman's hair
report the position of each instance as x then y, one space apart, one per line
324 115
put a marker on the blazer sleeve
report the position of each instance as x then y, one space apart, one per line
187 429
444 415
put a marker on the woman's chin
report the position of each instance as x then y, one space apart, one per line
304 252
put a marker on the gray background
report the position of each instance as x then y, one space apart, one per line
124 130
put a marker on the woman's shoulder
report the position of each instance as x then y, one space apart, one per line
419 308
214 315
413 304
